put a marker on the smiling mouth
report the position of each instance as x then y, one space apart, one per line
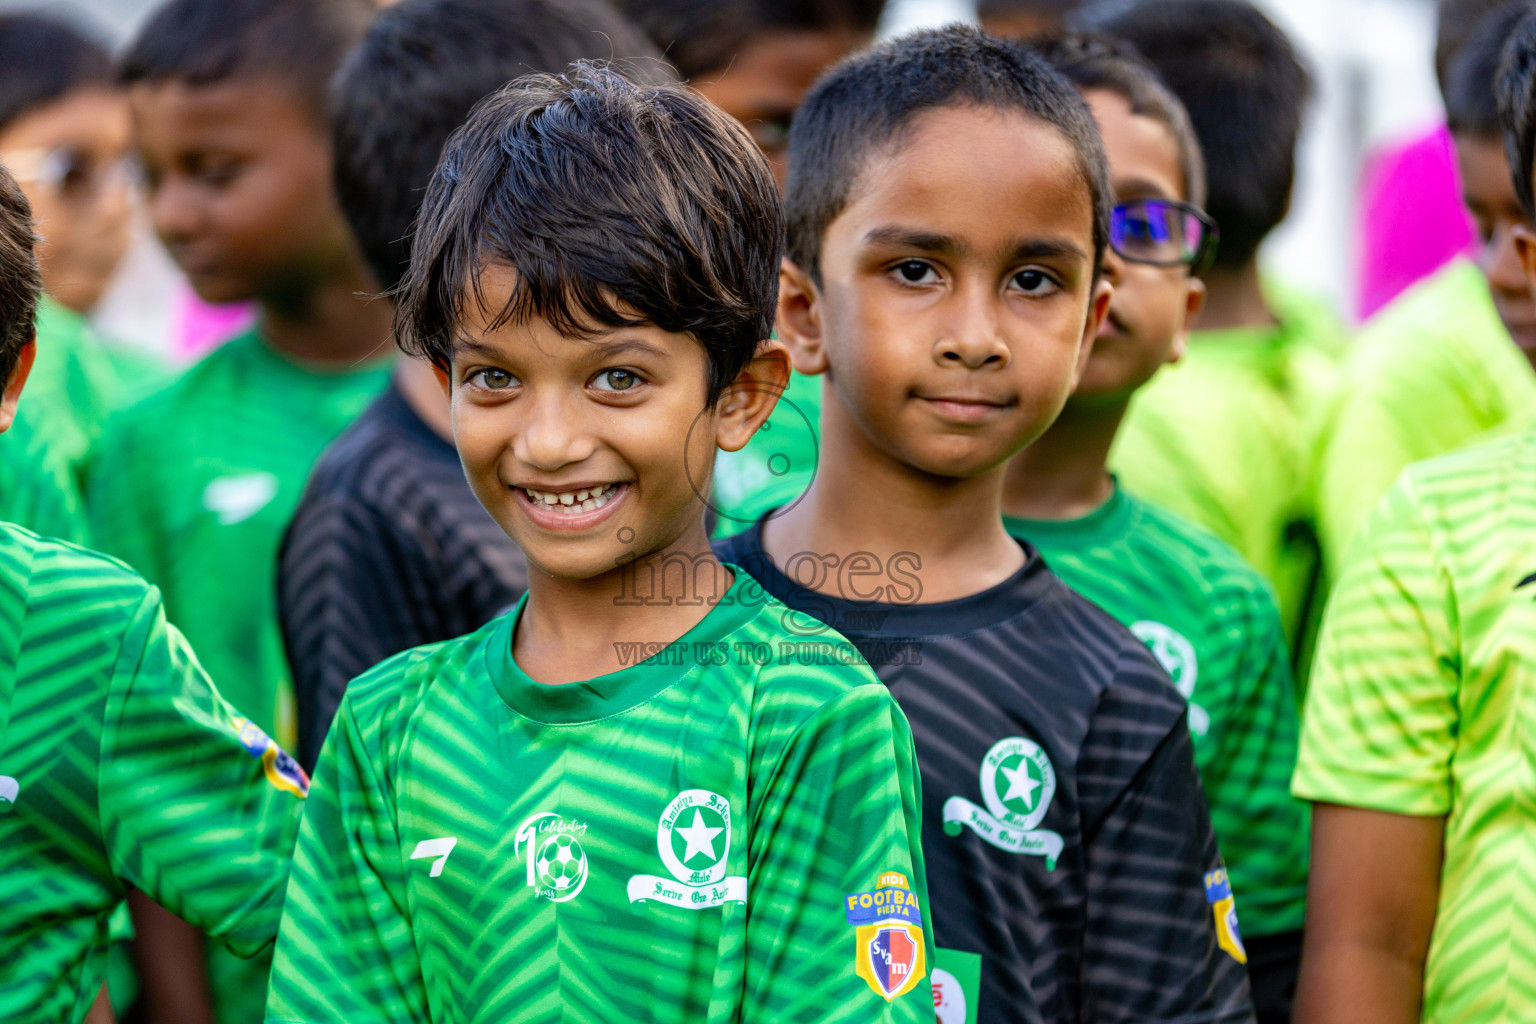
572 503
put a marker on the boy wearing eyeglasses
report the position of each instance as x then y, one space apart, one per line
1207 615
1221 438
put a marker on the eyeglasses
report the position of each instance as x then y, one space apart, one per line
73 175
1163 233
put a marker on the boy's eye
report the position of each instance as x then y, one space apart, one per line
616 380
914 271
492 380
1034 282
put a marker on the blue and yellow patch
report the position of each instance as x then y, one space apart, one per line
888 936
281 770
1218 893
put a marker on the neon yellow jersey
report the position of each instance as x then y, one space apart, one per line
1421 704
1219 439
1430 373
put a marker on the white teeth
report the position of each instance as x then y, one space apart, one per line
571 502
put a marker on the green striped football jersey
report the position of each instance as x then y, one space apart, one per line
1211 621
120 766
1420 704
193 487
37 491
725 830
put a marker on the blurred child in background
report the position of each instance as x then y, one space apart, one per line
389 548
755 59
1024 18
64 135
1219 438
194 484
1411 216
1452 357
123 765
1415 744
1208 616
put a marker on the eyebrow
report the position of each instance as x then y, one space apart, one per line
1144 188
929 241
607 349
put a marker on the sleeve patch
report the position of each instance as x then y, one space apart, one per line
888 936
1218 893
281 770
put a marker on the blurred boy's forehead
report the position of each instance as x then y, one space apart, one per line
221 107
984 176
1143 154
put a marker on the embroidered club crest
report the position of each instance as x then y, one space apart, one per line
1018 782
693 839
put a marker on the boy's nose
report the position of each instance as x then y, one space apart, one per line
550 437
973 338
1501 263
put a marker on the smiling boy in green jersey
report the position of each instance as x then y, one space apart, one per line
1451 358
194 484
1414 744
120 765
1208 616
628 797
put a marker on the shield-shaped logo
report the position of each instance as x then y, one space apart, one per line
890 957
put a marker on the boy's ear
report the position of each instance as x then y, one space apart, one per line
799 323
1098 309
442 379
1194 302
1525 248
12 394
750 399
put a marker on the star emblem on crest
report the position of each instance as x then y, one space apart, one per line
1022 785
699 838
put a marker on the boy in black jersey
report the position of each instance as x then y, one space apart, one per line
389 548
947 208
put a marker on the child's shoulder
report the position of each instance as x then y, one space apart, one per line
202 386
381 702
56 569
1202 556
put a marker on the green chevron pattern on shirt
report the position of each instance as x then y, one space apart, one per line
1211 620
36 490
193 487
677 841
1421 705
119 765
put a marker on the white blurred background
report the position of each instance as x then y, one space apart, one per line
1372 60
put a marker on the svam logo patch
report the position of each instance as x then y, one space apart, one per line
280 769
890 957
1218 893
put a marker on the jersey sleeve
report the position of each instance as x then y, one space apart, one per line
840 820
198 807
1161 940
1381 717
1263 829
350 594
345 951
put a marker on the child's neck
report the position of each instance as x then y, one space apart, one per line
1235 298
865 501
571 630
1065 474
329 319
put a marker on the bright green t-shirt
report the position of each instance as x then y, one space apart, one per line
120 766
1211 620
1219 438
1431 372
193 487
36 490
1421 704
72 386
776 466
725 831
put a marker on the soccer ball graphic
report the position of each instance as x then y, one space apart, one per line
562 865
